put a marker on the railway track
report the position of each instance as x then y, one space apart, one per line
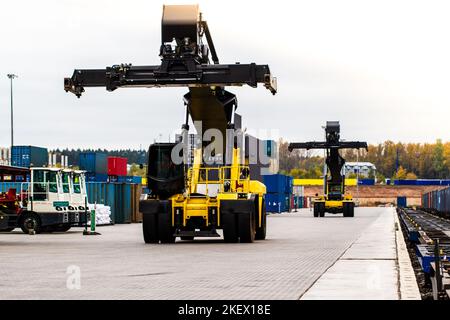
430 236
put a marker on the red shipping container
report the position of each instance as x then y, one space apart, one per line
117 166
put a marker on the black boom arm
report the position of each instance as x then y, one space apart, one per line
327 145
171 73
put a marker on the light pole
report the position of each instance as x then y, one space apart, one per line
11 77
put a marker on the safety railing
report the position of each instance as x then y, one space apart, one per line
226 179
234 178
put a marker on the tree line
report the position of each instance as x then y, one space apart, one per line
392 160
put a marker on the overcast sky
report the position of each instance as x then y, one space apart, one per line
380 67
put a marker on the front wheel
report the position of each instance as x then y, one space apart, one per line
246 227
321 209
316 210
229 222
349 209
30 221
261 231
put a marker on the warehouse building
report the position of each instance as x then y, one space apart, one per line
365 168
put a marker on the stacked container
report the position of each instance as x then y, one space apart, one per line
279 193
438 200
422 182
298 193
93 162
117 166
366 182
29 156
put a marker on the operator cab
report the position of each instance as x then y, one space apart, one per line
54 187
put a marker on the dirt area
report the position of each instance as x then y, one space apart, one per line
376 195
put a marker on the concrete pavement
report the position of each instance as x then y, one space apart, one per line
297 256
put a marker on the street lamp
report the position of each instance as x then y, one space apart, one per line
11 78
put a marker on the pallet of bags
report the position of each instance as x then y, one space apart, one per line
102 214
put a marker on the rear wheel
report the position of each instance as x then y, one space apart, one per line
30 221
165 229
229 223
261 231
150 228
246 227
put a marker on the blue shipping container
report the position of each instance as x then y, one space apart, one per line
5 186
366 182
401 202
117 196
277 202
29 156
96 177
422 182
438 200
94 162
278 183
289 184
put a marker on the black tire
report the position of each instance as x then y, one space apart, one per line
165 229
229 223
246 227
321 209
345 210
262 231
150 228
349 209
7 230
30 219
190 238
316 210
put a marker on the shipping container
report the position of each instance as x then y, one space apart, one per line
278 202
438 201
128 179
122 198
298 202
289 184
422 182
401 202
93 162
117 166
29 156
366 182
96 177
278 183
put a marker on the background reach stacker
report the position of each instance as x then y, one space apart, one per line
194 201
334 200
